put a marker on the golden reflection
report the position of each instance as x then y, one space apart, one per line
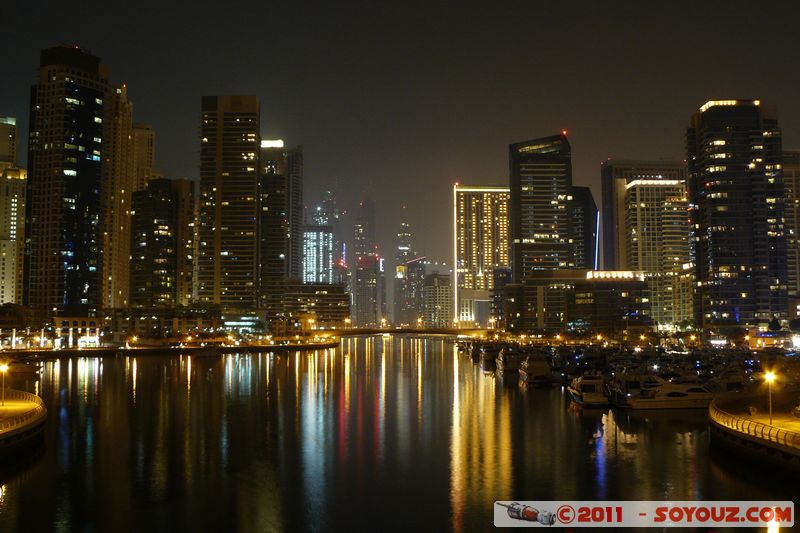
481 444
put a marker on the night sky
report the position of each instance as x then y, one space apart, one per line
402 99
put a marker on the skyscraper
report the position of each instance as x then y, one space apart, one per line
9 140
407 295
614 176
64 177
364 228
12 232
294 210
116 188
143 154
318 253
229 202
585 225
656 231
736 208
481 232
541 185
154 248
791 180
185 207
367 290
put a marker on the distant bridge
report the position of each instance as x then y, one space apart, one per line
413 331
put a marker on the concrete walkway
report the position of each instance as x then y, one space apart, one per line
19 410
779 420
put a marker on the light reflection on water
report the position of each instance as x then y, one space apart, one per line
397 433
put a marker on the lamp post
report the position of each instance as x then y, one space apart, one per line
769 377
3 369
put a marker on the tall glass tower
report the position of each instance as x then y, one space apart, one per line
736 207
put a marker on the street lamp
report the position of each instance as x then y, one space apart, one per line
3 369
769 377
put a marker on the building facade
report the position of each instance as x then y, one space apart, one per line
615 176
736 208
438 297
480 245
657 242
13 182
367 283
585 220
541 187
228 245
65 147
317 254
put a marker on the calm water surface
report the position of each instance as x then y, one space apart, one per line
396 433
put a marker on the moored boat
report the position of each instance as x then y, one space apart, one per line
588 390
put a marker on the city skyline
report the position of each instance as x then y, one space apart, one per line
358 137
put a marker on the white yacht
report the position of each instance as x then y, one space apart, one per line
588 390
667 395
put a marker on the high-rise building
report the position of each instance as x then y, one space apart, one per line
367 290
294 211
736 208
274 217
656 233
791 180
585 226
116 188
541 186
318 254
438 298
228 259
481 226
364 228
615 176
154 247
12 232
185 206
64 178
407 284
9 140
143 138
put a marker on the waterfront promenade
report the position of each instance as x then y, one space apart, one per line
742 423
22 416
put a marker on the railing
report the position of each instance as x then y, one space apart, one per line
22 419
784 437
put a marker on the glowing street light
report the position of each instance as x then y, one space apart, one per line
769 377
3 369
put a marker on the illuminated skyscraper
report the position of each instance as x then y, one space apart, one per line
65 150
116 189
585 225
481 226
541 186
408 302
615 176
657 243
736 208
274 227
229 202
317 254
13 182
12 232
